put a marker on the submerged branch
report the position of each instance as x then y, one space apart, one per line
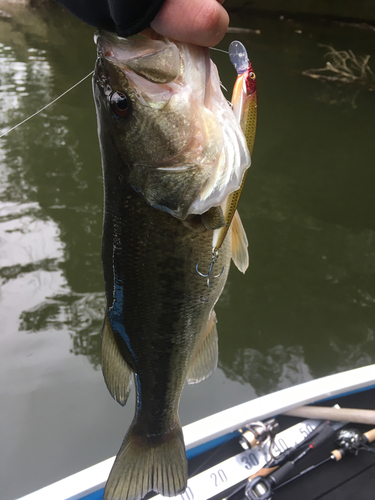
343 66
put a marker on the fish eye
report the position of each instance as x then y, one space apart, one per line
252 75
119 104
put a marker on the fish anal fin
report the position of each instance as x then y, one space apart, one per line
144 464
117 373
240 254
204 360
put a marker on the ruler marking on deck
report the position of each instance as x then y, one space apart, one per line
238 468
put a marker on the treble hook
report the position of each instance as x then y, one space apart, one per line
215 256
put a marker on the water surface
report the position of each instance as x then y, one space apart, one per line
304 309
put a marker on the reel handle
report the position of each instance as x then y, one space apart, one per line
370 435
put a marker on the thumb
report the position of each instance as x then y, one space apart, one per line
202 22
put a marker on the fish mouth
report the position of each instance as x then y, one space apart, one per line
158 61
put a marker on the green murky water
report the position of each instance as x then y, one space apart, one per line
304 309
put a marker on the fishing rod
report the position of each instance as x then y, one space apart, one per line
261 487
349 441
324 430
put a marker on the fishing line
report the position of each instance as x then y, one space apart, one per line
219 50
221 85
64 93
47 105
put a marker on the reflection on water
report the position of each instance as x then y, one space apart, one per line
82 314
279 368
32 248
306 306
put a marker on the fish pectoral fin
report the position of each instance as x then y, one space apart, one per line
240 254
204 360
213 218
148 463
117 373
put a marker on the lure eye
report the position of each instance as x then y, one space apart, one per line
252 75
119 104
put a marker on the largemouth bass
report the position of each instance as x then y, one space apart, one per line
172 151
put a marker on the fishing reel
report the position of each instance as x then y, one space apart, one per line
259 434
348 440
260 488
351 440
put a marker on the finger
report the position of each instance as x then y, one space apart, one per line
202 22
150 33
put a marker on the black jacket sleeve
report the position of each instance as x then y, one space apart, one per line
125 17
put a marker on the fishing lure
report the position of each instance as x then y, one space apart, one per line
245 107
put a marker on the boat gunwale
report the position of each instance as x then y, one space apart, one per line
215 427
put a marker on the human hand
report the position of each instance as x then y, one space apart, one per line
202 22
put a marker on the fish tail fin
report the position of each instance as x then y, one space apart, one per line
144 464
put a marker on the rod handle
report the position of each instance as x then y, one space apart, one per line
263 472
279 475
353 415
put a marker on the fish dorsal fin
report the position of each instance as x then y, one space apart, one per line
117 373
204 360
240 255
